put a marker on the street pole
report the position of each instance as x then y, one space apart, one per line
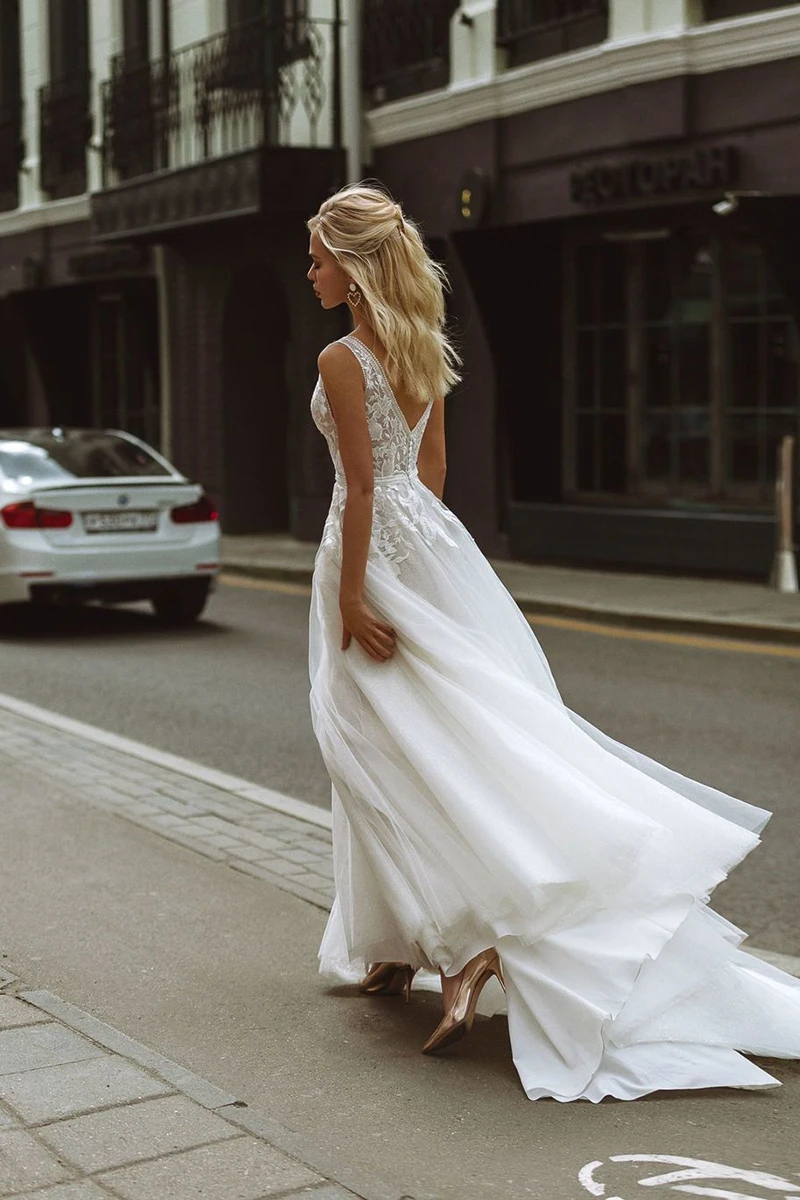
784 568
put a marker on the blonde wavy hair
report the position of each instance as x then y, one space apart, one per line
402 288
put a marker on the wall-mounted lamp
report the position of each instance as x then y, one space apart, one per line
723 208
730 202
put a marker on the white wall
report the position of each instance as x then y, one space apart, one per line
33 34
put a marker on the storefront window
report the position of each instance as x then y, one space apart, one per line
685 373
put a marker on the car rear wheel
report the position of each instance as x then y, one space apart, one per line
181 601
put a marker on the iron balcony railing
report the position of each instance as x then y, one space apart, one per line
259 84
65 128
405 46
532 29
12 152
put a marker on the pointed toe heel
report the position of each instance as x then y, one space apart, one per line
458 1020
388 979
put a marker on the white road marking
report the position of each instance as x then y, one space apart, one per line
698 1168
276 801
719 1193
691 1169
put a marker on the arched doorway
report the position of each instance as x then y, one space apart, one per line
255 404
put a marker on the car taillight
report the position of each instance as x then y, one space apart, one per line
26 515
191 514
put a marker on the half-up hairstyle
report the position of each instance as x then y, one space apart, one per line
402 288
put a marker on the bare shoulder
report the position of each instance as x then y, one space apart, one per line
338 366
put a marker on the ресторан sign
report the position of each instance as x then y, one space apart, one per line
670 174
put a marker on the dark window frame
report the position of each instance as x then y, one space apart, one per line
715 418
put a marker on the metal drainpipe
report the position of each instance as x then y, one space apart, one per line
351 99
164 354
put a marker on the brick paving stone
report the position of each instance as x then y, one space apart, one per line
248 853
134 787
42 1046
15 1012
53 1093
259 1171
314 845
298 856
119 1136
318 882
256 838
222 841
332 1192
26 1164
84 1190
179 808
167 821
279 867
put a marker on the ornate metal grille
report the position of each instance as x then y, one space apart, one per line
533 29
65 127
406 46
12 152
257 84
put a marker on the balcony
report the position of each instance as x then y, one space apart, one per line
65 127
213 130
534 29
405 47
12 152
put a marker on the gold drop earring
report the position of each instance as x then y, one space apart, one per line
354 295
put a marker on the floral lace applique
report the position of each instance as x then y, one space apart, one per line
402 507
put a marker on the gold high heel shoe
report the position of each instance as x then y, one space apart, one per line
388 979
457 1021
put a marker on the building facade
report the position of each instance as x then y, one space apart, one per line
615 186
158 159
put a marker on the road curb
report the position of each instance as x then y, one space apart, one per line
662 623
617 618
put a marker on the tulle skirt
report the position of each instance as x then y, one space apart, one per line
472 809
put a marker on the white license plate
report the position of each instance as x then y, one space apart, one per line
120 522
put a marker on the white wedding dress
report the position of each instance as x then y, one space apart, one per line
472 809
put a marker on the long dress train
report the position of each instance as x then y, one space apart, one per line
471 809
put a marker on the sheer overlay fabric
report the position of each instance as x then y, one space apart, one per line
471 809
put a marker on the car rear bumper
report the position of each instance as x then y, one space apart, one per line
114 591
30 565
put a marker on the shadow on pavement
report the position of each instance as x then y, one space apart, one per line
39 623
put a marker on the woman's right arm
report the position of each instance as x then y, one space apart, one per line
343 381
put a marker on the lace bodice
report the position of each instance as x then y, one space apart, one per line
395 447
399 500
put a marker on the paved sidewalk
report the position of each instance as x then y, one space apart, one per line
86 1113
717 607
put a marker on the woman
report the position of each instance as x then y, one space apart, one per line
477 821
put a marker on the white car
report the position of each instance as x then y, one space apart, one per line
96 514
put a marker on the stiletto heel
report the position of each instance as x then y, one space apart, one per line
457 1021
388 979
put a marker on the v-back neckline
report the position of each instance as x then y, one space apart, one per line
410 430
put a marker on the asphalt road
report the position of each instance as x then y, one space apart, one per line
232 693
